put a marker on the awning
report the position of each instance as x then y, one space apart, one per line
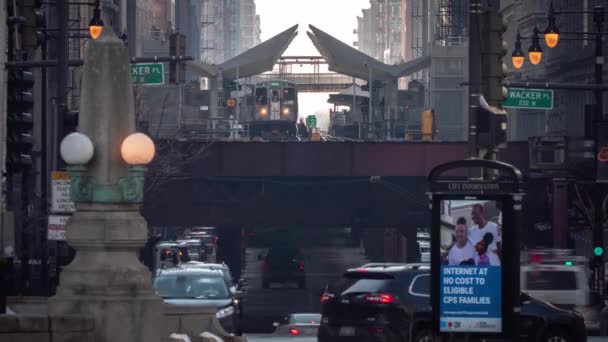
347 60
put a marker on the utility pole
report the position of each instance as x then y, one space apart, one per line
132 27
3 82
474 74
598 225
61 77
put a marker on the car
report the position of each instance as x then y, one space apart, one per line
169 254
209 240
299 324
235 289
222 268
565 286
199 287
283 265
392 303
196 249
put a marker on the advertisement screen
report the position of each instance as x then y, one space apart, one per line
471 246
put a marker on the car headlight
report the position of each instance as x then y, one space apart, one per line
285 111
225 312
263 111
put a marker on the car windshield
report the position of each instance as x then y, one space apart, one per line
551 280
199 286
306 318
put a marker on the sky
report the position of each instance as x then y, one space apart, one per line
336 17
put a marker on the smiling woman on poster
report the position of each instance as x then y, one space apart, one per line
462 251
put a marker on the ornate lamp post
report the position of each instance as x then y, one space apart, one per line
599 130
107 161
96 24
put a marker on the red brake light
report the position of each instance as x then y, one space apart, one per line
380 298
536 258
326 297
294 332
301 265
362 270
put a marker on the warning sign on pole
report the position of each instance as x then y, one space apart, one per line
57 228
60 193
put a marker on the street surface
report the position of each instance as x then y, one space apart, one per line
272 338
262 307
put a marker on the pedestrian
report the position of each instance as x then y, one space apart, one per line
302 129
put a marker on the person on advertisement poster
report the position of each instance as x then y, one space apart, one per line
480 229
470 275
485 257
462 251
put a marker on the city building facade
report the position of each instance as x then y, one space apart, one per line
401 31
229 27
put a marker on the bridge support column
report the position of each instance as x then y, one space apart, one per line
395 247
391 99
230 248
410 243
213 99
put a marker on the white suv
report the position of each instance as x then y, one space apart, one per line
563 286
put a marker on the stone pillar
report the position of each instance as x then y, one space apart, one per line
106 279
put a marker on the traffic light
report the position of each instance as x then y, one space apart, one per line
493 49
177 48
32 32
598 246
491 126
70 121
19 120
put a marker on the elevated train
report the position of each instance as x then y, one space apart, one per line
276 111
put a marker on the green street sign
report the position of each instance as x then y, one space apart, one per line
529 98
311 121
146 74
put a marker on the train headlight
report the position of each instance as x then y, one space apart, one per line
263 111
285 111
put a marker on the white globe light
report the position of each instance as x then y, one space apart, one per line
137 149
76 149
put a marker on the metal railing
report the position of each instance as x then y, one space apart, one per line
313 81
209 129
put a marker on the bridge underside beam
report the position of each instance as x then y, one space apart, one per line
322 88
290 202
300 184
332 159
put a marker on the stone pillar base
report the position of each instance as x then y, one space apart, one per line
106 279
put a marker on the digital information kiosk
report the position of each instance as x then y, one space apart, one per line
475 249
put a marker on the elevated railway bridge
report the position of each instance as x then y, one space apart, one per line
246 185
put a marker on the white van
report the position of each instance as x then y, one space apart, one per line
563 286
